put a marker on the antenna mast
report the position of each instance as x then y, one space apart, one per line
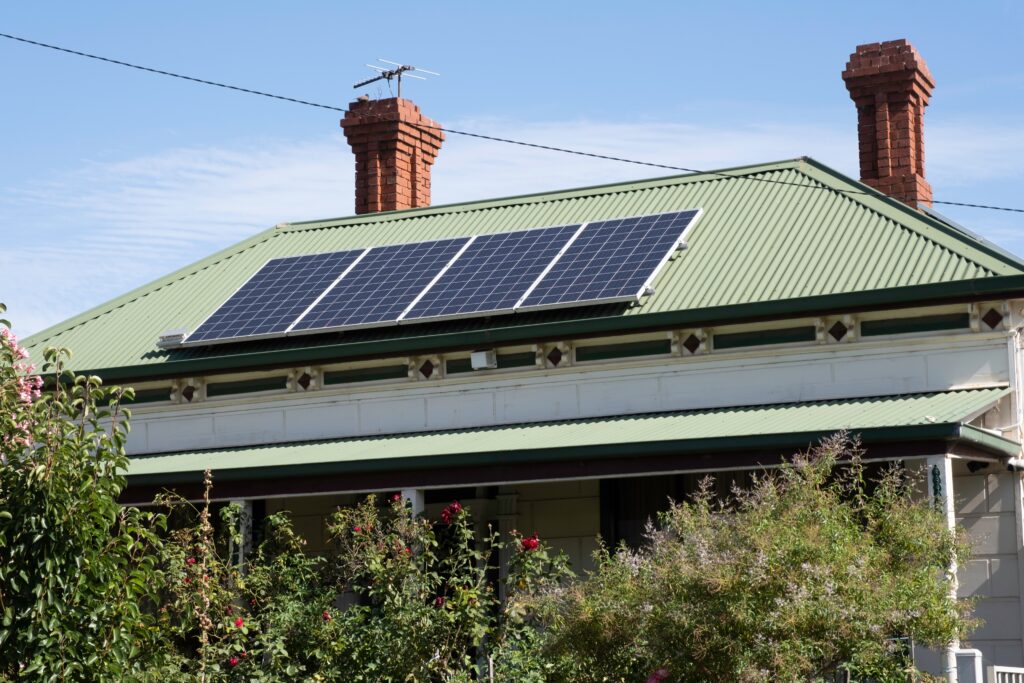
393 73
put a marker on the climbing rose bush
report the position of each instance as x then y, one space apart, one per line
396 598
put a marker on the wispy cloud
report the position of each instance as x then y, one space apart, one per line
89 234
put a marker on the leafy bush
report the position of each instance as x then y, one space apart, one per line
811 571
76 568
397 599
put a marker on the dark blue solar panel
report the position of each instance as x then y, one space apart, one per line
493 272
274 297
611 260
382 285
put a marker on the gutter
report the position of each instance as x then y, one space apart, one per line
954 432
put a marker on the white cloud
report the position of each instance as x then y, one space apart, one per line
92 233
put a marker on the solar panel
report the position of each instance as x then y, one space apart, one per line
381 286
274 297
492 274
610 261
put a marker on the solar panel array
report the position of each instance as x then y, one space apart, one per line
569 265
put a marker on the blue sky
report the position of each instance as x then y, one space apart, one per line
112 177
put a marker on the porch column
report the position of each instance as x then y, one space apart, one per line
416 499
940 491
240 552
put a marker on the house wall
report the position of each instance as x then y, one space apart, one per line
776 375
566 515
987 507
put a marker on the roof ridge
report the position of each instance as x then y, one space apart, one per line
543 197
859 191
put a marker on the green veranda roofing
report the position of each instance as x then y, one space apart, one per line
761 248
784 426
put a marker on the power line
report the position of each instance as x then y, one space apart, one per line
481 136
169 73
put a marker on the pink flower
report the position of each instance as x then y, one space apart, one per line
228 610
239 622
357 529
233 661
396 497
326 615
658 675
190 561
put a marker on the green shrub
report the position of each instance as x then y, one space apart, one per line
76 568
811 571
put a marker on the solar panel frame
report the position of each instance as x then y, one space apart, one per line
189 341
521 306
297 328
405 319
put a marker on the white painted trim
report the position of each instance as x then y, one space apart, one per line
529 482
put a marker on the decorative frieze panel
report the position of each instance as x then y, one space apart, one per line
188 390
305 379
554 355
689 342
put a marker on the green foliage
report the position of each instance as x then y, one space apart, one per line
397 598
75 567
811 571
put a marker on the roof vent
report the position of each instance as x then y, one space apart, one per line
171 338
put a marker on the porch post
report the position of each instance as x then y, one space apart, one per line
940 491
416 499
241 553
507 511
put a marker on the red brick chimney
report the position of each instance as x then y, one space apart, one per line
395 145
891 86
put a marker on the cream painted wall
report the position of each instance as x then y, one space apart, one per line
565 514
782 375
985 507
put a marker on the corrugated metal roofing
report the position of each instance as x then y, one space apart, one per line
756 242
631 432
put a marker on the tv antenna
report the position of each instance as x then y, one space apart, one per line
394 73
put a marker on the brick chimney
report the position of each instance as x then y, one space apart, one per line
395 145
891 86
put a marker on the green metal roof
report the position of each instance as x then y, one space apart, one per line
784 426
760 248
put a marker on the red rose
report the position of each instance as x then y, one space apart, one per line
449 512
188 579
408 551
228 610
357 529
531 542
233 661
239 622
190 561
243 654
396 497
439 601
326 615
